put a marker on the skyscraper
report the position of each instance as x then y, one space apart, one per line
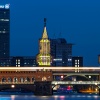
61 52
44 56
4 31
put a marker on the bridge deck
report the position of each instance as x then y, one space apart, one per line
76 82
54 69
58 82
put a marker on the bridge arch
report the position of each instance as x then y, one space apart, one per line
76 76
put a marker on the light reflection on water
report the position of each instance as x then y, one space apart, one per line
54 97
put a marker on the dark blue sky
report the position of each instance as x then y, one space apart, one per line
77 20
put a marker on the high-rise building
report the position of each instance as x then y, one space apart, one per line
44 56
4 31
61 52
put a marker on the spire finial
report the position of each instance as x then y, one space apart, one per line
45 22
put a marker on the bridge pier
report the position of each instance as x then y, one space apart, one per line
43 88
99 78
99 91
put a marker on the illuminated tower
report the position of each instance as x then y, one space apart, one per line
44 56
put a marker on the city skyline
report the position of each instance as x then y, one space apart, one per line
76 21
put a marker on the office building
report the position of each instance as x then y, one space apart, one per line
4 31
77 61
61 52
23 61
5 62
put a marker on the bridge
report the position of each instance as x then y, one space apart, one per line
11 77
95 71
58 83
30 74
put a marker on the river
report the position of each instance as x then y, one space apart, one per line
53 97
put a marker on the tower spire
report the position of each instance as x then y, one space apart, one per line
45 22
44 35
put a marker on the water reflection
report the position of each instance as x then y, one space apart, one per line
54 97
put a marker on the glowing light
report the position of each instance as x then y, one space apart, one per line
60 68
62 97
62 76
89 76
96 89
55 83
12 86
95 83
68 88
6 6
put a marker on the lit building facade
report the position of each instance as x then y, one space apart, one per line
61 52
77 61
23 61
44 56
18 61
4 31
5 62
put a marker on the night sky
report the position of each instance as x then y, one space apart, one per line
78 21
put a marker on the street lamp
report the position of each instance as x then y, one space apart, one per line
62 76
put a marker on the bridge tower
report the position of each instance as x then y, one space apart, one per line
44 56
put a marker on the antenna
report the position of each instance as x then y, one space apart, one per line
45 22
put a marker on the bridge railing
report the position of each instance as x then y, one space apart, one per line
76 82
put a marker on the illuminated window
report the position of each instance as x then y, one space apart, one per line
75 65
18 65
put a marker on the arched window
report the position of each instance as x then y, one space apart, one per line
9 79
21 79
3 79
15 79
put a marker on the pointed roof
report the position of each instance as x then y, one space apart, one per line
44 35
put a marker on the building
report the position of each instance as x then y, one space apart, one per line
44 56
4 31
5 62
61 52
23 61
18 61
99 59
77 61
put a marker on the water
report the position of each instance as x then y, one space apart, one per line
54 97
